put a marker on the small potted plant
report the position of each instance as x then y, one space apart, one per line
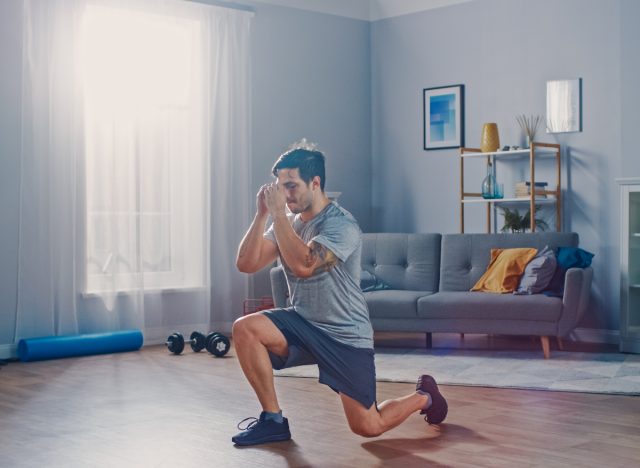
515 222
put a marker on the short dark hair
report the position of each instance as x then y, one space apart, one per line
309 162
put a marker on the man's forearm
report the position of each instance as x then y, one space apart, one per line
249 250
294 252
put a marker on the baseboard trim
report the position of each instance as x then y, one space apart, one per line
8 351
595 335
222 327
152 336
158 335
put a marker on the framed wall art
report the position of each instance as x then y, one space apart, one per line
564 106
443 117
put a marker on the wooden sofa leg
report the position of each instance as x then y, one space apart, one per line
462 336
545 346
428 340
560 343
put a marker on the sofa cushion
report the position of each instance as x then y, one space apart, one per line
403 261
485 306
504 270
465 257
393 303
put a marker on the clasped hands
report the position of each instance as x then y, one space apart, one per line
271 199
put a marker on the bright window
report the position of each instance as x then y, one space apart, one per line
146 150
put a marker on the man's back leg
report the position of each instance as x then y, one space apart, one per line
374 421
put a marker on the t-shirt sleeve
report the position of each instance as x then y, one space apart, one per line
340 235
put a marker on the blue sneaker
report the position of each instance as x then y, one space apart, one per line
438 409
262 431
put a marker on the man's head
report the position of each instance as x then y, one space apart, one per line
303 156
300 170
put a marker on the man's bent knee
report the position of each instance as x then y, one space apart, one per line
259 328
240 330
365 429
252 324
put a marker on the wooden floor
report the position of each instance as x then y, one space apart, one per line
152 409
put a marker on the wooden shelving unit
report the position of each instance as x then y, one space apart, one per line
534 199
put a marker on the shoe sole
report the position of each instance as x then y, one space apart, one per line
437 412
265 440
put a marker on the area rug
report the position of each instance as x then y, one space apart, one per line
612 373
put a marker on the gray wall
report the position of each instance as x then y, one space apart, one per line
504 51
311 78
10 89
356 89
630 87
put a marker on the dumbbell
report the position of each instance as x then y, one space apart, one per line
217 344
175 342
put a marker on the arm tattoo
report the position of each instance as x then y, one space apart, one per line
320 258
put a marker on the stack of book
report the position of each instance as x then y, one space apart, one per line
523 189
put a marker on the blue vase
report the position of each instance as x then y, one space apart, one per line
489 183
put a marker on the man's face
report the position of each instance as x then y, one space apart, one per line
299 194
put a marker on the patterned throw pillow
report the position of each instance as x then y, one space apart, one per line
538 273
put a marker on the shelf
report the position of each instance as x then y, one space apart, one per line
469 198
508 153
508 200
635 286
636 234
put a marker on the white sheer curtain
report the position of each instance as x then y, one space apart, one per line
135 127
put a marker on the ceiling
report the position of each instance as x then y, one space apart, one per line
368 10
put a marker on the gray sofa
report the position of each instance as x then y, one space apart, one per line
430 277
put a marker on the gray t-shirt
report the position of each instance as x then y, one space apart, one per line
332 300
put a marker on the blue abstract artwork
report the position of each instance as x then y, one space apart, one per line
443 117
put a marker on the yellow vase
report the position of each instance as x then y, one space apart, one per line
490 141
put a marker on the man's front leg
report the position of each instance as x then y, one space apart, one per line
254 337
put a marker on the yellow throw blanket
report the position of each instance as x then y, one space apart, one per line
505 269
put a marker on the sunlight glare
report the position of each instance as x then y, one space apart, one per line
134 60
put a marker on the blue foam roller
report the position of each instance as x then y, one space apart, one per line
53 347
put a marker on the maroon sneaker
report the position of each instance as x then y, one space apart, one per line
436 413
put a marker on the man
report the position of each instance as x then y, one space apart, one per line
319 245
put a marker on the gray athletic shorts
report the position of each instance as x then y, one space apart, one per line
346 369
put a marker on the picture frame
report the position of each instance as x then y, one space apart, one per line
564 106
443 117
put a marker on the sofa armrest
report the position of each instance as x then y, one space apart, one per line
279 288
577 290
